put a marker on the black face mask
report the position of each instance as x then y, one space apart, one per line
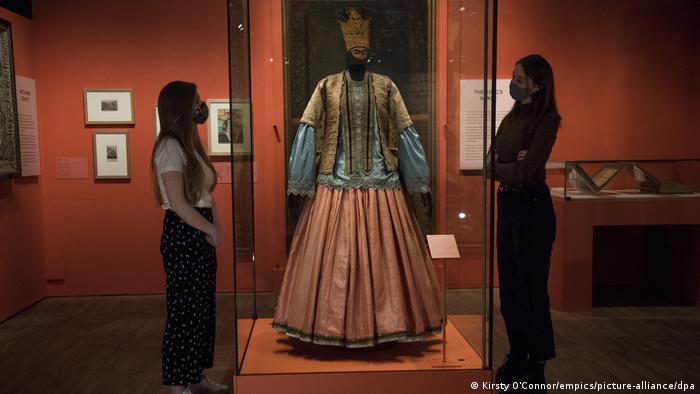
201 114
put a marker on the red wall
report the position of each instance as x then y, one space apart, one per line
626 74
623 69
22 270
103 237
696 70
268 110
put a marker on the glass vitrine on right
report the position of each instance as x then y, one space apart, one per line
625 179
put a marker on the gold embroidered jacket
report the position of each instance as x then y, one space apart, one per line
323 113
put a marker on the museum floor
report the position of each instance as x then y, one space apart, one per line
112 344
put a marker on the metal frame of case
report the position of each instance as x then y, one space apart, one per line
243 202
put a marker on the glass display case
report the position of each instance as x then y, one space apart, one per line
427 49
626 179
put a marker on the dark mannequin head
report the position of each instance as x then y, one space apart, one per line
355 26
358 55
355 65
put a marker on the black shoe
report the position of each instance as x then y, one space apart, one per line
534 374
511 370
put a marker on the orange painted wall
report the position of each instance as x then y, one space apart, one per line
103 237
696 68
22 268
268 110
626 75
624 72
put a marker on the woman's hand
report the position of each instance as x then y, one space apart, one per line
215 237
522 155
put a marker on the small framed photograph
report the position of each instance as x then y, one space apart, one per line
109 106
229 126
111 151
157 126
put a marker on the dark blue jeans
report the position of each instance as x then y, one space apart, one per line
526 230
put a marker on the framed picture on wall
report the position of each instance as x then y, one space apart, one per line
157 120
111 155
9 126
229 126
109 106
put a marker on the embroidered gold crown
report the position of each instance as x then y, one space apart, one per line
355 30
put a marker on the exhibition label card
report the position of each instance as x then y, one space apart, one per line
28 126
471 119
71 168
223 171
443 246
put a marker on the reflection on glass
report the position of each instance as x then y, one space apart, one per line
237 131
402 47
467 209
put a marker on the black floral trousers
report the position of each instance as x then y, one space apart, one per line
190 270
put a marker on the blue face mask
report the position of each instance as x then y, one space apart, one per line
518 93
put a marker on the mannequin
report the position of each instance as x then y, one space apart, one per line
359 273
356 66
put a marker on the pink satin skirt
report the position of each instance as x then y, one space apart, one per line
358 272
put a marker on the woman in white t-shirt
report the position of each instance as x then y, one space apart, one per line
184 179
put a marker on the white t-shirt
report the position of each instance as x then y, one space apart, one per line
170 157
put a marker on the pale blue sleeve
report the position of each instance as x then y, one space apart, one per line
412 162
302 162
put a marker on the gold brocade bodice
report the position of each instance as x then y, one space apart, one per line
357 113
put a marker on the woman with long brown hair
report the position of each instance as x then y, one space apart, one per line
184 179
526 223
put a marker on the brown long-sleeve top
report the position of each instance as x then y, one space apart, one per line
513 135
